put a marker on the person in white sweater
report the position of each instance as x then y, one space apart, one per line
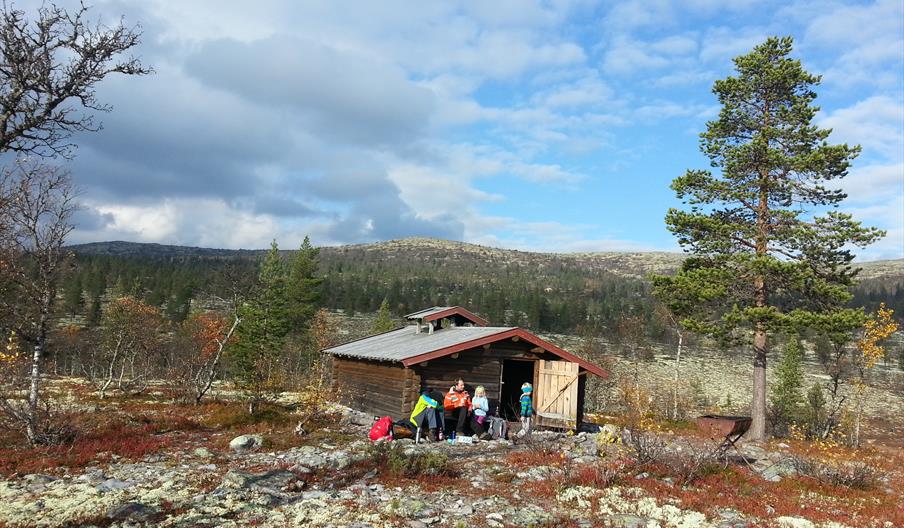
479 406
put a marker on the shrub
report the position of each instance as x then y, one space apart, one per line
395 461
596 476
849 474
51 426
647 446
686 462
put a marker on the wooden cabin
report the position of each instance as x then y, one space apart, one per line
385 373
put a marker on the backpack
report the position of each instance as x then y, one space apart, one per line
497 427
382 428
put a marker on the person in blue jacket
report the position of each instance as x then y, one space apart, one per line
527 409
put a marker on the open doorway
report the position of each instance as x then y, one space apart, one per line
514 373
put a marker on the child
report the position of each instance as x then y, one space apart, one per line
527 410
480 405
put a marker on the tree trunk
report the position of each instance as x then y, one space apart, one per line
677 377
760 344
758 410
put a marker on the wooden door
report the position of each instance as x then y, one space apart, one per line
556 394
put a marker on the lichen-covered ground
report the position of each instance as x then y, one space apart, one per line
333 476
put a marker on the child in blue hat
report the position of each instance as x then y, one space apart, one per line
527 409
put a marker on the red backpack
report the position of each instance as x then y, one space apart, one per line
382 428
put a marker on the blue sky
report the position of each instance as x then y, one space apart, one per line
552 126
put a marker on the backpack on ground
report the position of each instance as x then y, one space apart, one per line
497 427
382 428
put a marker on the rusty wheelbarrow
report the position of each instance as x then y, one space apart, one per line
726 429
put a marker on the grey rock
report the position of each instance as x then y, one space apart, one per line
753 452
133 511
462 511
36 482
779 470
342 461
314 494
627 521
353 417
530 516
494 520
414 523
114 484
246 443
277 485
203 452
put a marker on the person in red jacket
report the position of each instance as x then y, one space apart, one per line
456 403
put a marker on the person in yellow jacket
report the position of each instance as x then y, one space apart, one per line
425 413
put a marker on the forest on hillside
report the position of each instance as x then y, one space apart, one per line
556 295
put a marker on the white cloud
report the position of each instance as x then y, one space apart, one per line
587 92
721 44
843 26
874 182
876 123
195 222
870 37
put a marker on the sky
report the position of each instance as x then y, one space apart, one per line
544 126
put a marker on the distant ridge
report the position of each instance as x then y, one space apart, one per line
119 248
419 249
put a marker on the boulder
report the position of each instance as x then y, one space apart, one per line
132 511
246 443
627 521
114 484
779 470
203 452
353 417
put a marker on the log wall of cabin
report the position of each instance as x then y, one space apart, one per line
477 366
376 387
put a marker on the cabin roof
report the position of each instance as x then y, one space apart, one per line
409 347
441 312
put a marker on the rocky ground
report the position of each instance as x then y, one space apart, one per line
553 480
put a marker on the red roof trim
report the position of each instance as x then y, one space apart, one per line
502 336
480 321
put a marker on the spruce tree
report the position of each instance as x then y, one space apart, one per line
787 393
265 325
768 252
383 322
303 288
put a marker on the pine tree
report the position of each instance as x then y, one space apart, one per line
762 259
383 322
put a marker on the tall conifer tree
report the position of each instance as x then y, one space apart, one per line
265 325
768 250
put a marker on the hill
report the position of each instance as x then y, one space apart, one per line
423 250
557 292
